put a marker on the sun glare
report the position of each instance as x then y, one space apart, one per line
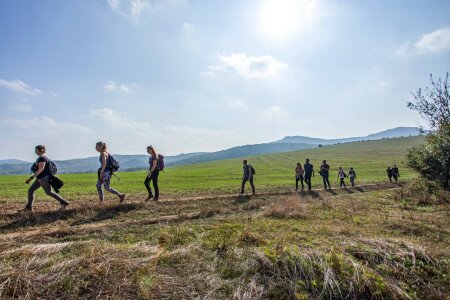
281 18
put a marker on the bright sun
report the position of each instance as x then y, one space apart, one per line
280 18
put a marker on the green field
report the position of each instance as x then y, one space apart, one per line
367 242
274 172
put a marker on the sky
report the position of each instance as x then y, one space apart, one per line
187 76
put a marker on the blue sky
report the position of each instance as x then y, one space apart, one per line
191 76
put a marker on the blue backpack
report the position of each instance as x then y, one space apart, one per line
113 164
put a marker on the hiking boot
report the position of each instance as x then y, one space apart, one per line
122 198
26 209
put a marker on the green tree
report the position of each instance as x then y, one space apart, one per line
432 159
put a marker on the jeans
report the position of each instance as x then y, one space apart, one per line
154 178
352 181
244 180
308 180
45 183
325 180
297 179
342 183
105 182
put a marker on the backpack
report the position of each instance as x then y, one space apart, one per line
160 162
113 164
252 170
52 167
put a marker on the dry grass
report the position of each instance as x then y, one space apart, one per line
341 244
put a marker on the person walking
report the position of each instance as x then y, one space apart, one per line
341 176
325 172
352 175
299 176
249 171
395 172
42 175
105 173
153 173
389 173
309 172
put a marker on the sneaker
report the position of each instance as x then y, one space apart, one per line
122 198
155 198
149 198
64 205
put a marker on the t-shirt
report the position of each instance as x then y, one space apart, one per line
308 168
46 171
352 173
341 174
395 171
298 171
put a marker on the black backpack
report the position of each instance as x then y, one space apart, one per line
52 167
252 170
113 164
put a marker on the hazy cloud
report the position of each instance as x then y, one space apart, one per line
21 107
112 86
434 42
19 86
249 67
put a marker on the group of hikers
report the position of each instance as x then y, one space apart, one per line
43 171
306 172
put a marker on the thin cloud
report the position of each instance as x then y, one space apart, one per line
274 110
47 126
131 9
112 86
19 86
434 42
119 121
21 107
249 67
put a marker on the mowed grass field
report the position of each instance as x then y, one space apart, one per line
274 172
367 242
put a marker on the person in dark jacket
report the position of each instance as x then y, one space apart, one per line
247 176
395 172
325 173
389 173
42 176
309 172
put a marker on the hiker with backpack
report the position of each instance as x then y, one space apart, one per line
299 176
342 176
389 173
325 173
309 172
352 175
156 164
249 171
395 172
43 169
108 166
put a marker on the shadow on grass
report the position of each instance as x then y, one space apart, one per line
349 191
48 217
359 189
313 194
242 199
332 192
107 213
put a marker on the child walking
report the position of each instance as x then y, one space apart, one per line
341 176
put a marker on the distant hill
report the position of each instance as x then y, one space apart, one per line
91 164
390 133
138 162
11 161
